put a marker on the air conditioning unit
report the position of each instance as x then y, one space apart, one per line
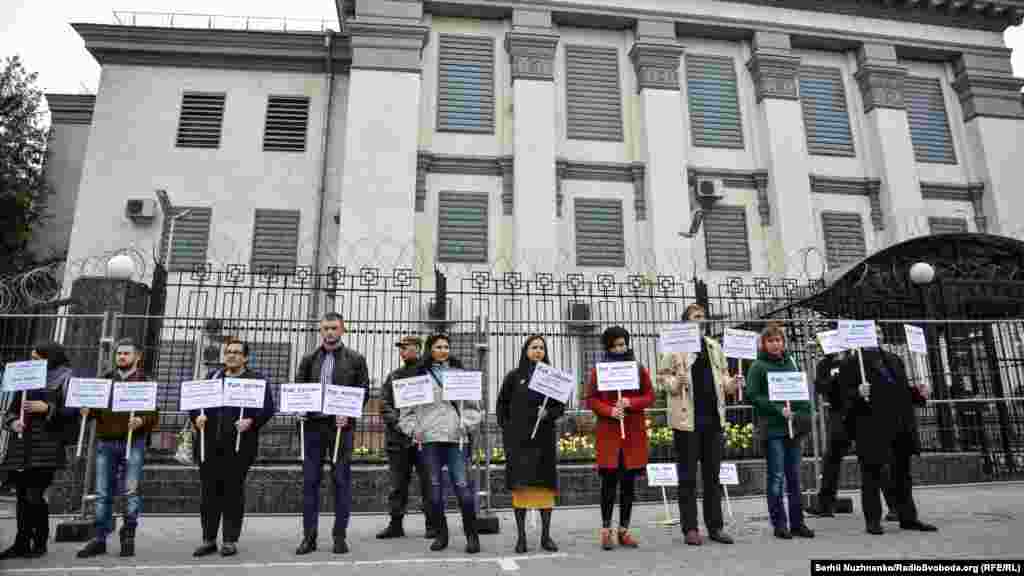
579 311
707 188
140 210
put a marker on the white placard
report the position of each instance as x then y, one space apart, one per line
613 376
915 339
728 475
858 333
88 393
201 394
244 392
662 475
302 398
411 392
344 401
831 341
134 396
740 344
463 385
552 382
787 386
28 375
683 337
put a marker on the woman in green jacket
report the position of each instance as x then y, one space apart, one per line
781 434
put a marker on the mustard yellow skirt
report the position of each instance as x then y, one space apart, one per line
533 498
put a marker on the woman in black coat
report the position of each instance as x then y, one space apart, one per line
531 471
34 459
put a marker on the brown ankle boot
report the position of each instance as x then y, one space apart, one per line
626 540
606 539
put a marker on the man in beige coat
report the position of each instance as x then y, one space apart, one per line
697 385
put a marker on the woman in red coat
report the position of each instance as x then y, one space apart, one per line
619 461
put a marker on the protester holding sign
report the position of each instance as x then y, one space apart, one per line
841 429
781 436
438 427
403 454
115 459
621 433
531 459
46 426
332 363
697 386
887 437
222 474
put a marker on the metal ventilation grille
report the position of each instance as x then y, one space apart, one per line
726 238
844 238
286 122
275 239
202 116
715 117
825 116
592 93
462 227
929 125
600 237
947 225
465 84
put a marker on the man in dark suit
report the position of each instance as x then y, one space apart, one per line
331 363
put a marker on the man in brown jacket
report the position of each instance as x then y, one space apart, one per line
111 449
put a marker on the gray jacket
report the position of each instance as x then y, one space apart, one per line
440 420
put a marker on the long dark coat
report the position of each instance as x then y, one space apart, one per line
220 424
886 425
46 435
529 462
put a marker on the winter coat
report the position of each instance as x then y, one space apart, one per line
609 438
528 461
442 420
396 439
771 422
112 425
671 365
220 423
42 445
349 370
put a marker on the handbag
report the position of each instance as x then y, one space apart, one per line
184 453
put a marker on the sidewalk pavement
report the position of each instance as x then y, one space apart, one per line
975 521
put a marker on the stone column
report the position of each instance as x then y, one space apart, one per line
774 69
380 162
881 79
531 51
994 113
663 144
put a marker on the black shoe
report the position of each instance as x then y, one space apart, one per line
802 531
430 533
441 539
892 517
307 545
720 537
521 546
822 512
548 544
228 549
205 549
340 546
127 538
93 548
919 526
469 527
18 550
393 530
783 534
875 529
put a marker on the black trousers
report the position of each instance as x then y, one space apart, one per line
838 446
623 482
222 495
706 447
895 482
401 463
32 511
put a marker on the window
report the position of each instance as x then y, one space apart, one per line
275 239
715 120
465 84
825 116
284 129
191 238
844 238
593 99
600 237
462 227
725 238
945 225
200 121
929 126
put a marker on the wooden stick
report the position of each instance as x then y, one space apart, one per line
302 438
202 438
21 418
461 435
537 423
728 504
668 511
622 421
863 377
337 443
81 433
238 434
789 420
128 448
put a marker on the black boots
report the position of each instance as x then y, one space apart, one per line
441 540
469 527
393 530
545 536
20 548
431 531
340 545
520 530
95 547
127 537
39 528
308 543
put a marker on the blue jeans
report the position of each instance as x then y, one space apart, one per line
446 454
317 447
784 458
113 470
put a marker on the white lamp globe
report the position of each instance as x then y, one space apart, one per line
120 267
922 273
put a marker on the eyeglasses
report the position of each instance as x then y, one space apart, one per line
234 353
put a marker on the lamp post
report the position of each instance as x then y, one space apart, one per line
922 275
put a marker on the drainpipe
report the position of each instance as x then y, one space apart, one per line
322 192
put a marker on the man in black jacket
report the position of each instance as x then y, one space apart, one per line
840 430
403 455
331 363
